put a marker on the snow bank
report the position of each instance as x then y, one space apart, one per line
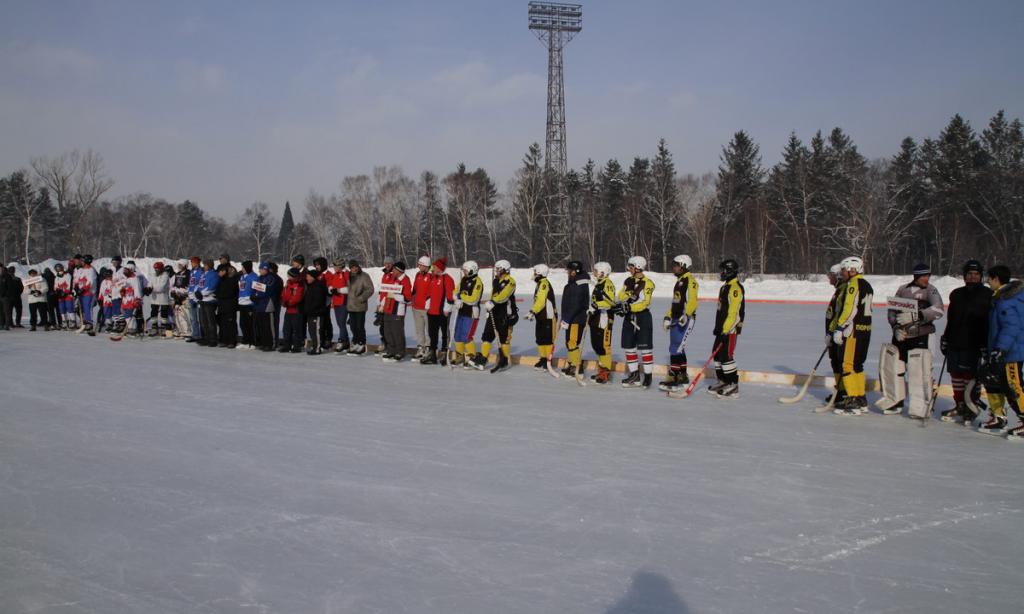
759 287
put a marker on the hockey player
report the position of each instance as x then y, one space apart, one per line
179 301
131 302
420 290
728 325
601 320
963 341
634 302
337 288
246 320
292 299
160 300
314 306
467 308
37 301
62 288
543 311
206 296
851 335
393 311
106 300
575 301
360 289
679 321
1005 352
195 301
837 280
85 287
440 298
908 354
502 315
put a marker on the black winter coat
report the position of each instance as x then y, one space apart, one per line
314 301
576 299
967 317
227 289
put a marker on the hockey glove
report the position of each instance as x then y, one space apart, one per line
996 357
488 306
900 334
906 317
828 339
199 296
529 316
446 309
667 323
377 318
837 337
147 291
563 325
458 304
943 345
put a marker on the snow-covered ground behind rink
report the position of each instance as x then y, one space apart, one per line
157 477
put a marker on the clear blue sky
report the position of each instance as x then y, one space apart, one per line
230 102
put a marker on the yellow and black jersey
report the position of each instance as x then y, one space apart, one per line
684 297
603 296
636 292
855 311
503 291
470 291
732 307
543 300
835 305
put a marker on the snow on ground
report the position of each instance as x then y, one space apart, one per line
158 477
759 287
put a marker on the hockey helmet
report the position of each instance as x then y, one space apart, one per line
541 270
973 265
728 269
574 265
602 270
158 266
87 258
836 269
502 265
637 262
853 263
470 267
684 261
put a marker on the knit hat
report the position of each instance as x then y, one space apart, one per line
921 269
116 259
292 272
441 264
339 262
353 262
312 272
158 266
400 265
87 258
264 266
182 263
299 258
424 261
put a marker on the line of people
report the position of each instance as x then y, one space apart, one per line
213 304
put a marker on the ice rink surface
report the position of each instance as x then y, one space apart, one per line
158 477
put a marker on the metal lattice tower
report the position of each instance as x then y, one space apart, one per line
555 24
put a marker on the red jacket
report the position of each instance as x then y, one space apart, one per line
439 291
291 296
393 305
385 278
337 287
420 290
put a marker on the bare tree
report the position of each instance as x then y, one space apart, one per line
361 214
322 219
58 175
257 224
21 198
697 203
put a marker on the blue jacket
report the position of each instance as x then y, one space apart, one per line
1006 321
195 278
261 300
245 287
210 282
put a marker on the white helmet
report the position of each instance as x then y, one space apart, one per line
470 267
638 261
541 269
503 265
836 269
684 261
853 263
424 261
602 270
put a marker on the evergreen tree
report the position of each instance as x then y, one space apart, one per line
663 202
284 235
739 184
611 183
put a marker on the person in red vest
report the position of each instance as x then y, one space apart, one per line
393 312
337 287
438 305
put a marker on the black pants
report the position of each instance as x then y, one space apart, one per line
5 312
208 322
394 332
314 326
275 324
497 328
357 322
326 330
158 314
294 331
437 326
247 323
37 314
263 336
53 315
227 320
17 311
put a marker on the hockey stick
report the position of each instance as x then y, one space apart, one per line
803 390
935 393
689 389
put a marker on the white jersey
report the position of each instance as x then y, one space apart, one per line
131 293
85 281
161 290
62 286
107 292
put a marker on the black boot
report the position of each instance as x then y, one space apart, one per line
502 365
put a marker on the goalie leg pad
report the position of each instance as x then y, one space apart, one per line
919 382
890 375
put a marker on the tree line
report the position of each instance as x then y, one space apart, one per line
956 196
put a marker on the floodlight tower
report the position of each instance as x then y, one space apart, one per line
555 24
